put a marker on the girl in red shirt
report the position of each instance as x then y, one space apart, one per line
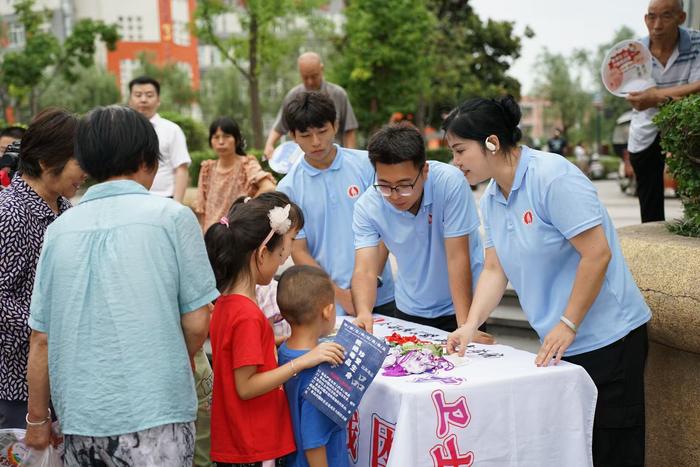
250 423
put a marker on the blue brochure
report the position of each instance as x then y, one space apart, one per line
336 391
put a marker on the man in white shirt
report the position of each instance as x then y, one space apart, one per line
172 176
676 71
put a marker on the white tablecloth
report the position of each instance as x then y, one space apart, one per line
493 411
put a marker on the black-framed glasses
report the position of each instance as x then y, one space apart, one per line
403 189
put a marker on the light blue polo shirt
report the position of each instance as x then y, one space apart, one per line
418 242
327 198
551 202
115 275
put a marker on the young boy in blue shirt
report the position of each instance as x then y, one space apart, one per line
319 441
326 184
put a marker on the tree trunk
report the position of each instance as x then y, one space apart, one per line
254 84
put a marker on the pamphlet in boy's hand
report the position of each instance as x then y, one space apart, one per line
337 391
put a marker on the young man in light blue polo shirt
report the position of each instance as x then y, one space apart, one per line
425 214
326 184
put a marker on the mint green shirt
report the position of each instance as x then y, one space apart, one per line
114 277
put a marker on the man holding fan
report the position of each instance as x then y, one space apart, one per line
676 72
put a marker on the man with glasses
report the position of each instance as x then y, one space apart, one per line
425 214
326 184
676 70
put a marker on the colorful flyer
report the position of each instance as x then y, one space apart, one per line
337 391
627 68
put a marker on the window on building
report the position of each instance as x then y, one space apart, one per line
15 35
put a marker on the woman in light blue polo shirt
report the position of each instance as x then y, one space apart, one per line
549 235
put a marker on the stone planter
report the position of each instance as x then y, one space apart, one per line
666 268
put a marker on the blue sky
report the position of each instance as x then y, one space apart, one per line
562 25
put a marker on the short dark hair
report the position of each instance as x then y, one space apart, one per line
302 292
145 80
229 246
479 118
16 132
49 139
309 109
115 140
397 143
230 127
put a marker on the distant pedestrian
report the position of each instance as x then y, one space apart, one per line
311 71
557 144
583 159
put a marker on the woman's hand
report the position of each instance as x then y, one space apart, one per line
38 436
326 352
555 344
483 338
458 340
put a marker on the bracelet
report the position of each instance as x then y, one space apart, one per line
570 324
294 371
43 422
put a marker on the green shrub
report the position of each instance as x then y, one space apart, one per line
195 132
679 123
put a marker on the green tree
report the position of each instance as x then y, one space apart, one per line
94 86
470 57
220 94
270 31
176 93
384 62
560 82
25 74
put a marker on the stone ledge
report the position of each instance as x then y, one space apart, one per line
666 268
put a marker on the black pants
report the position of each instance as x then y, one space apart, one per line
618 372
388 309
12 414
648 168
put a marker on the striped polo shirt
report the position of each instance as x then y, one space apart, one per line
683 67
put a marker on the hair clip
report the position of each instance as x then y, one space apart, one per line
224 220
279 222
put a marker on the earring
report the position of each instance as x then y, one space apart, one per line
490 146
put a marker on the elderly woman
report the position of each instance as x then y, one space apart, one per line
119 308
47 176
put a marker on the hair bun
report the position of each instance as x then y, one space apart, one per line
511 110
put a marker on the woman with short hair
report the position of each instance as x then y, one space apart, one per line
48 175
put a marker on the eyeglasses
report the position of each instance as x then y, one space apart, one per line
404 189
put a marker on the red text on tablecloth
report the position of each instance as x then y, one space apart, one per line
382 437
354 435
447 454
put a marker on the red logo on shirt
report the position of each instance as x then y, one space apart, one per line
353 191
430 218
527 217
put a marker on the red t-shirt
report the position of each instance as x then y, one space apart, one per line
258 429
